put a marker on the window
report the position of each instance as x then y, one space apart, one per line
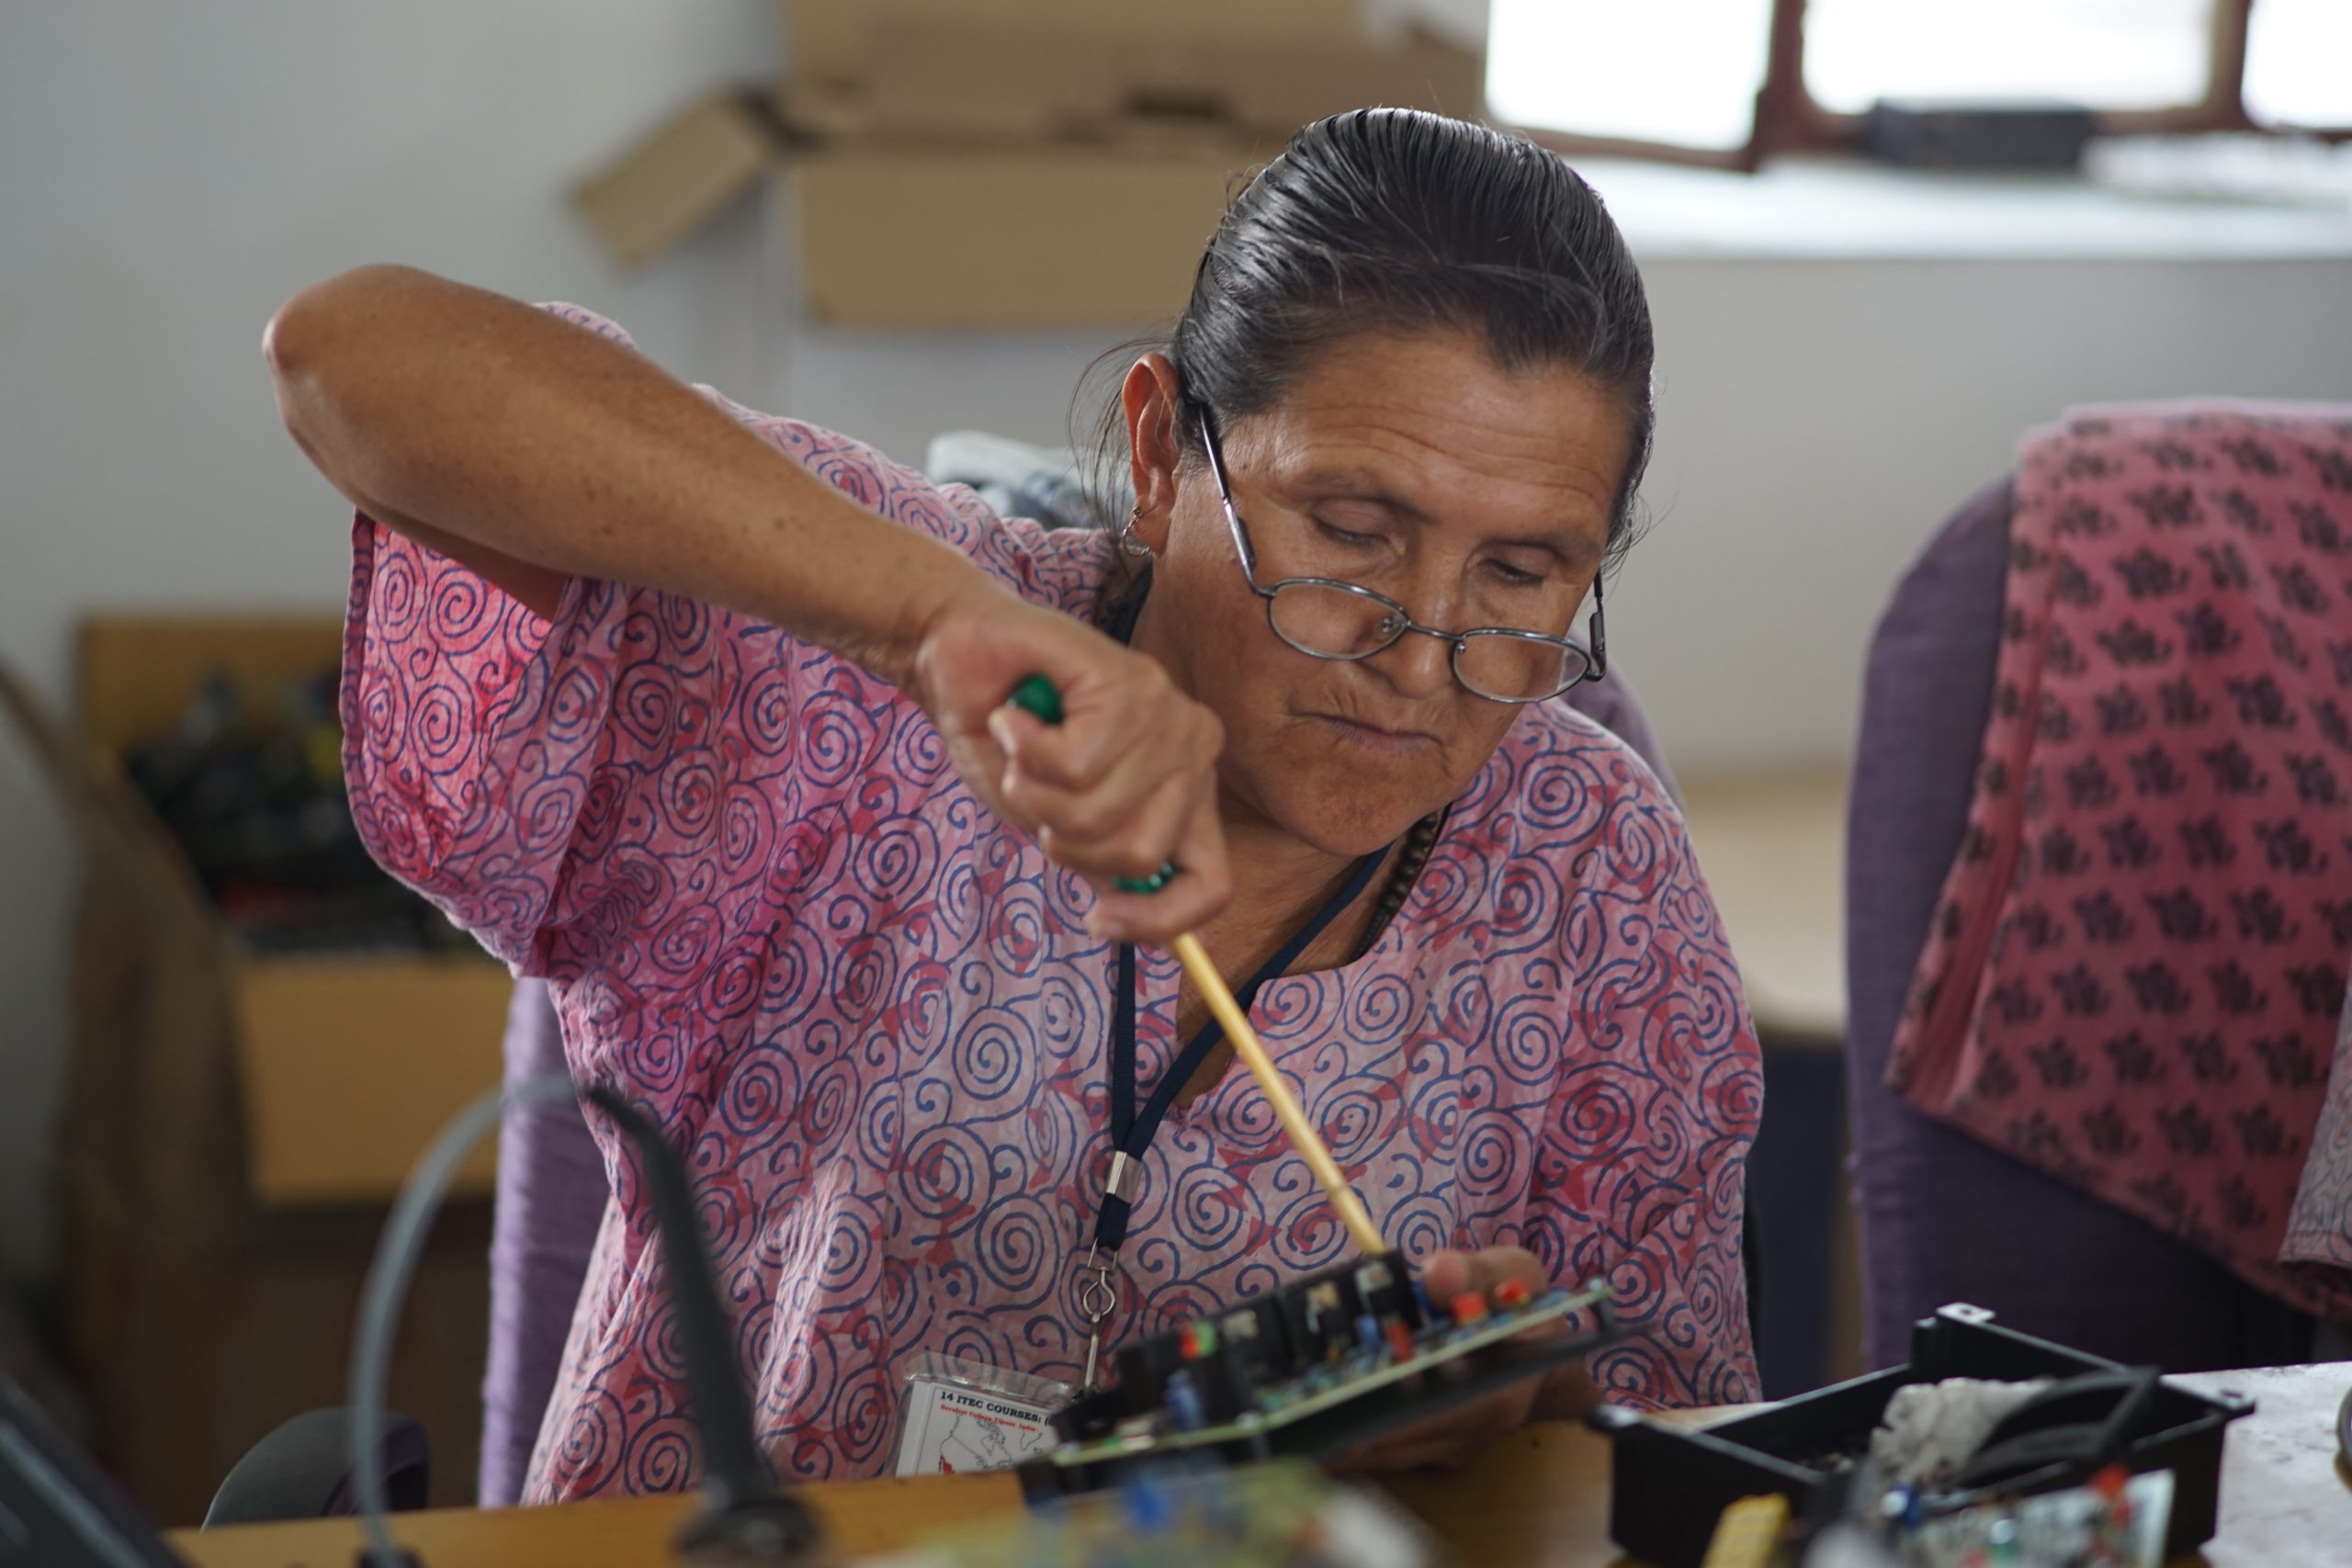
2299 64
1727 82
1684 72
2109 54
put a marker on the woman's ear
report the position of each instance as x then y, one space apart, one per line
1149 398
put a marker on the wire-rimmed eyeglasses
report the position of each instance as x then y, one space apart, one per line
1326 618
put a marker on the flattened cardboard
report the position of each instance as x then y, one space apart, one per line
1050 236
837 41
1280 89
1024 162
961 79
678 179
1006 74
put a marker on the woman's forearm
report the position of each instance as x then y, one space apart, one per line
539 451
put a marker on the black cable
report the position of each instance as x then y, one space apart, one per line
734 1469
747 1520
396 1254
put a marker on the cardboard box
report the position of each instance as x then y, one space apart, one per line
1005 74
840 43
346 1067
1014 163
1034 238
350 1068
680 177
222 1163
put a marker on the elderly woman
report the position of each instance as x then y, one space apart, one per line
703 714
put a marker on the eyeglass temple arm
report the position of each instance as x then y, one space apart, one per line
1600 633
1225 499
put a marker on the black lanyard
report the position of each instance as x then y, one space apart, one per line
1131 1134
1133 1130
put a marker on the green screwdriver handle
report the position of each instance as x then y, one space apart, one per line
1037 694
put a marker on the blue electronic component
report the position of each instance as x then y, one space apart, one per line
1310 1366
1185 1407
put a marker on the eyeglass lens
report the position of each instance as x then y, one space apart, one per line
1335 623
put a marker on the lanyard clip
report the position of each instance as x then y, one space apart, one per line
1098 1294
1126 1176
1098 1297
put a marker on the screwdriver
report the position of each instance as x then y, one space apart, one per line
1037 695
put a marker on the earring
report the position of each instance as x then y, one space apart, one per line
1130 542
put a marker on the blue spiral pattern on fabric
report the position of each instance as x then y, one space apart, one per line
777 922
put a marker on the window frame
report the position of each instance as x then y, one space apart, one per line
1789 120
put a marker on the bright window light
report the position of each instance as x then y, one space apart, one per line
2299 62
2107 54
1682 71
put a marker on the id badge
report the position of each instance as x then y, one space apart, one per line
963 1417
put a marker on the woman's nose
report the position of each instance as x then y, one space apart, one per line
1416 664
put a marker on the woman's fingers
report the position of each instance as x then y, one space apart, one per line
1457 1434
1113 715
1123 824
1124 786
1449 1274
1564 1393
1203 884
1129 824
1124 783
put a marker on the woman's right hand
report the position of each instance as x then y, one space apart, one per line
1124 785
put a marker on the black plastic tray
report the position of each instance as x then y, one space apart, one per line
1671 1485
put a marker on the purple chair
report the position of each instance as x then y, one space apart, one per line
551 1193
1944 1217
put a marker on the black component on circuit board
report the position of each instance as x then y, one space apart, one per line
1318 1366
1210 1369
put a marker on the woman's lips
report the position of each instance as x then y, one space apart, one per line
1373 738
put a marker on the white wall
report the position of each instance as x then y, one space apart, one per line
1818 418
172 171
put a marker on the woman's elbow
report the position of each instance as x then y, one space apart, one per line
311 348
312 327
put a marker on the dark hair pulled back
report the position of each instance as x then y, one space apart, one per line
1400 221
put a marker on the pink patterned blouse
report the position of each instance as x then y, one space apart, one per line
865 1010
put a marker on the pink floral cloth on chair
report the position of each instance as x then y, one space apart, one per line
2136 970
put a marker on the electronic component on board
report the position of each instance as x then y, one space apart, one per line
1322 1364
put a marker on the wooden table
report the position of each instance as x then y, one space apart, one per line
1539 1498
864 1517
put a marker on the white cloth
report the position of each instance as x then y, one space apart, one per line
1931 1430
